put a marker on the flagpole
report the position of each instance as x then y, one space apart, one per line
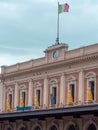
57 39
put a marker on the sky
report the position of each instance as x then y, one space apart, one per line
28 27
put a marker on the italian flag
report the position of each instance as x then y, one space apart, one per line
63 8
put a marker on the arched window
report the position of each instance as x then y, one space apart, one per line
91 86
53 128
53 91
9 102
23 91
37 128
23 128
71 127
71 90
91 127
37 94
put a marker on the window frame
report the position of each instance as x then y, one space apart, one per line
91 76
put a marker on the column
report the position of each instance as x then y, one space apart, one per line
44 127
81 87
62 89
61 125
16 95
45 96
1 96
30 93
14 125
4 97
28 125
0 126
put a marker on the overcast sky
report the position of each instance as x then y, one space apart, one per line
28 27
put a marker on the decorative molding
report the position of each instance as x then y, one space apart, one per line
37 85
10 90
71 79
23 87
53 82
90 75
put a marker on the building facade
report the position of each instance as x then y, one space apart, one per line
55 92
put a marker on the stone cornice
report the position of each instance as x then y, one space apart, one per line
58 64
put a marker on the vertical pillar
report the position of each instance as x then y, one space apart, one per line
14 125
1 96
0 126
28 125
16 95
45 97
81 87
61 125
30 93
44 127
62 89
4 98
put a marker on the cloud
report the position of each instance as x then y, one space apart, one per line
27 27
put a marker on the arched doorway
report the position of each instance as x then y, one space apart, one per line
9 128
91 127
71 127
37 128
53 128
23 128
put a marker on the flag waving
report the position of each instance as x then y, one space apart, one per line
63 8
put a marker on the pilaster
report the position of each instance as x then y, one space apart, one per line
62 89
61 125
16 95
45 97
1 96
81 87
30 94
44 127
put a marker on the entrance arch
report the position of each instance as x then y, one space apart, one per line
9 128
53 127
23 128
37 128
71 127
91 127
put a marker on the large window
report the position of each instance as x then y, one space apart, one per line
53 96
71 87
90 91
10 100
24 98
71 90
53 91
38 94
70 94
91 86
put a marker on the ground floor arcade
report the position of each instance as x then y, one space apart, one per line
71 118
